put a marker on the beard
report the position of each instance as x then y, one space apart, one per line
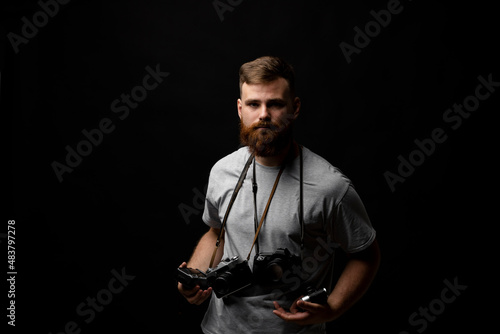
266 138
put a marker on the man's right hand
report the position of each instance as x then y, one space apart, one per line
195 295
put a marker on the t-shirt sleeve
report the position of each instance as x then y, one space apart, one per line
211 211
352 228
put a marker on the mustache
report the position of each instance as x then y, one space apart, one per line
266 124
268 142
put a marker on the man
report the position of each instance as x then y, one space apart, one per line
312 211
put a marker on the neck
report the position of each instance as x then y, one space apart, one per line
277 160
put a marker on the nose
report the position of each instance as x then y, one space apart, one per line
264 113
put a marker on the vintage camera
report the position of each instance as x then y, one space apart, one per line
231 275
190 277
315 296
269 268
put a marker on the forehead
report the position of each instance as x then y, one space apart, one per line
265 91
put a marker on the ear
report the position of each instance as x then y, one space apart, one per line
239 106
296 107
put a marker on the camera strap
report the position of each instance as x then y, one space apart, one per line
267 207
301 205
231 202
235 193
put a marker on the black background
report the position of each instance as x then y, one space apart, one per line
119 208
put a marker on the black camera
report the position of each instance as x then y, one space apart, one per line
270 267
315 296
190 277
231 275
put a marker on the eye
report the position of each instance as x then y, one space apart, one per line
276 105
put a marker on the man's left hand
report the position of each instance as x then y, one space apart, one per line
305 313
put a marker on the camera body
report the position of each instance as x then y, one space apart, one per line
230 275
190 277
269 268
233 274
315 296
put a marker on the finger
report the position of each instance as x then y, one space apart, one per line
279 311
307 306
294 308
183 265
200 296
194 298
188 292
292 317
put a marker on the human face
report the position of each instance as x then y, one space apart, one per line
267 112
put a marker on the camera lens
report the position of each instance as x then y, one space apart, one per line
222 283
274 271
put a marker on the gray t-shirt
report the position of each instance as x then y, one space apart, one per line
334 217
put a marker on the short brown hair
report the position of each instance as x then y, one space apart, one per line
266 69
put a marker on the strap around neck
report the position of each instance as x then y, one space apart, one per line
266 209
231 202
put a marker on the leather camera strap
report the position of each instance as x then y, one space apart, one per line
267 208
231 202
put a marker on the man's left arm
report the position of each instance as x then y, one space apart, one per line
352 284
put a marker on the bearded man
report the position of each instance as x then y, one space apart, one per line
283 211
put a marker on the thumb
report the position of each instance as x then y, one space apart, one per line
307 306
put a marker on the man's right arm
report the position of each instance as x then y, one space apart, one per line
201 260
